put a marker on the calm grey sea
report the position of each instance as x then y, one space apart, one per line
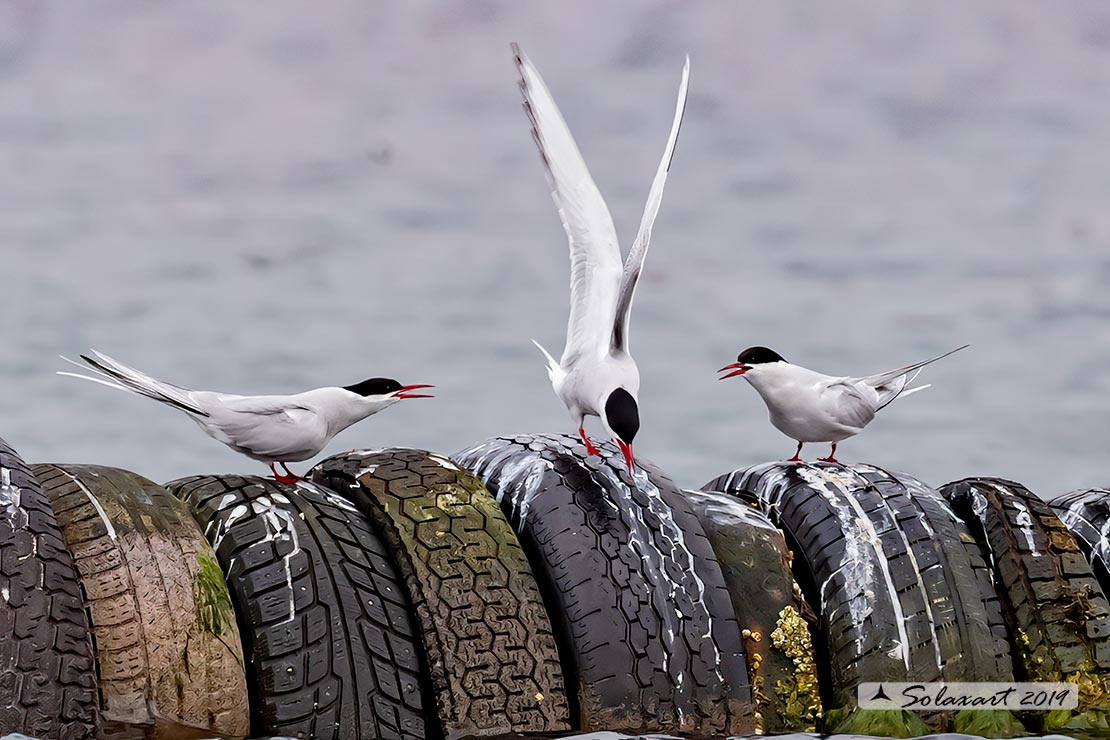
267 197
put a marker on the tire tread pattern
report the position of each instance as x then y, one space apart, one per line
650 640
900 586
1086 514
1053 604
139 554
328 632
769 607
48 675
494 665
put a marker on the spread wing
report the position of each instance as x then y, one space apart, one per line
635 262
595 258
849 404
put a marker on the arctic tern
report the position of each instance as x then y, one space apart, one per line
810 407
596 375
270 429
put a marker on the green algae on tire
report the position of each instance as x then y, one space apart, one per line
755 563
899 723
139 553
494 664
993 723
215 614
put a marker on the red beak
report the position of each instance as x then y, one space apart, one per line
627 451
738 368
404 392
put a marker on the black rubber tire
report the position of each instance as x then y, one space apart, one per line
48 678
329 636
1057 613
899 584
1086 514
494 665
168 650
648 635
773 615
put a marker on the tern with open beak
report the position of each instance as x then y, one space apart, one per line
596 375
271 429
810 407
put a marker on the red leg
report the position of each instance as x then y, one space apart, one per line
590 449
797 454
289 477
832 455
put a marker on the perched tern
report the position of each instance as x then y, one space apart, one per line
271 429
810 407
596 375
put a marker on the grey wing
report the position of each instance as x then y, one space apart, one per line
267 429
849 404
635 262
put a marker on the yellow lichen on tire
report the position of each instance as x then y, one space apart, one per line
800 694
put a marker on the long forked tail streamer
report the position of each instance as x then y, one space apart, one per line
114 374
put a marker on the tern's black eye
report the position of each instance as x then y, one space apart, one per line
374 387
623 415
758 355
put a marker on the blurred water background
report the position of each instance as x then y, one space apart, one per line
267 197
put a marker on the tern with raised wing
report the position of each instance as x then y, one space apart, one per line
270 429
810 407
596 375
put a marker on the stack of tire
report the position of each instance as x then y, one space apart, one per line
639 603
384 596
390 594
116 621
977 581
523 587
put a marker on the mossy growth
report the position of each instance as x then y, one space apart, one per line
799 696
1038 663
988 723
211 598
880 722
1092 718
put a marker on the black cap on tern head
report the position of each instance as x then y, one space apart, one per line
758 356
623 415
374 387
